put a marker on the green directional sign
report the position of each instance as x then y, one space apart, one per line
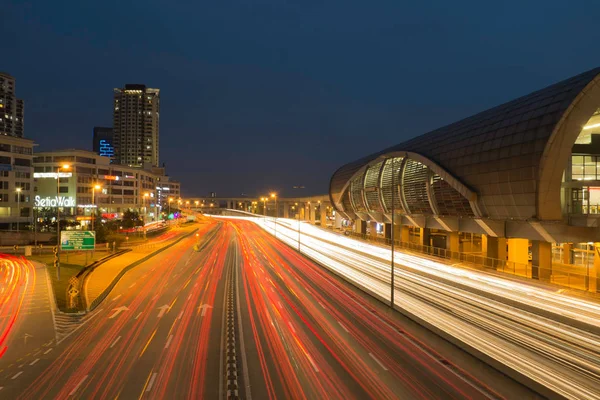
77 240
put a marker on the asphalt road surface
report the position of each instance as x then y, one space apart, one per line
245 316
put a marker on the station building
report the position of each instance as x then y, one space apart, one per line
518 183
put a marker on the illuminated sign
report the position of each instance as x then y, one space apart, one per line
106 149
110 215
56 201
86 205
111 178
52 175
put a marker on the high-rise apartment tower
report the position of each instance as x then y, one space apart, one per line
135 123
11 108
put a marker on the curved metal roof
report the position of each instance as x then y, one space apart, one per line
511 156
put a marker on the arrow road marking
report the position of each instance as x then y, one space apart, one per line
118 311
27 335
163 310
204 307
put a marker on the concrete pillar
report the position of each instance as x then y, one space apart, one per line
302 212
494 247
594 278
567 257
541 260
311 213
518 252
453 242
286 210
360 226
403 233
338 220
373 229
424 237
323 215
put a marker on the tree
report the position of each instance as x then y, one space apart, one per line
131 219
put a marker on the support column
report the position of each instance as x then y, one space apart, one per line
424 237
373 229
518 253
360 226
494 249
286 210
323 215
302 212
403 233
541 260
453 243
338 221
594 271
311 213
567 256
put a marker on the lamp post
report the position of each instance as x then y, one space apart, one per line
264 200
392 234
18 206
65 167
146 195
94 188
274 196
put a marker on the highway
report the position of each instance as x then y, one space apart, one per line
246 316
549 338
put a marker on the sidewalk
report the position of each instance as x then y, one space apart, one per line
103 276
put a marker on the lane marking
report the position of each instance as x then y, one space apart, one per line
168 342
48 351
180 315
17 375
132 285
147 344
34 361
377 361
115 342
151 382
292 326
116 298
343 327
312 362
321 304
137 316
78 385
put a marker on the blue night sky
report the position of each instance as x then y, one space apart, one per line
264 95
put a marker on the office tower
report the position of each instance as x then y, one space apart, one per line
11 108
104 141
135 123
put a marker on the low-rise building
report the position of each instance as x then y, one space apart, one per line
88 181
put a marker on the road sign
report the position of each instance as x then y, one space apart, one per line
77 240
54 249
73 292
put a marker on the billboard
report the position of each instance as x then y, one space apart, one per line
77 240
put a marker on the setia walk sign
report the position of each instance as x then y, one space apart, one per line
77 240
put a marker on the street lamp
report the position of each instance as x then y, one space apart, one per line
274 196
170 200
264 200
18 206
94 188
146 195
65 167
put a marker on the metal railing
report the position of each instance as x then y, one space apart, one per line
572 276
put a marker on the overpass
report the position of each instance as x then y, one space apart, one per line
314 209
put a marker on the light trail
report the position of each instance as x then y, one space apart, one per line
466 305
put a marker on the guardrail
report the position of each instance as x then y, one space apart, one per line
560 274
